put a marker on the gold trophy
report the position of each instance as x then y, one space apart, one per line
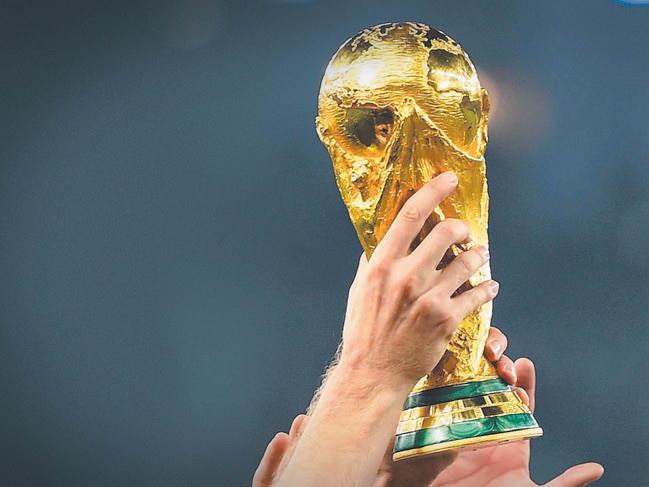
400 103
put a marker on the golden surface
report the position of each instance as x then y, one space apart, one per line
453 412
471 443
399 104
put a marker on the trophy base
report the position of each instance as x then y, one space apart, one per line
471 415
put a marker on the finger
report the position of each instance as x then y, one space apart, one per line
496 344
494 351
506 370
433 247
522 394
526 376
464 266
413 214
297 426
470 300
271 460
578 476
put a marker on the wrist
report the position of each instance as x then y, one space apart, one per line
360 381
355 418
391 376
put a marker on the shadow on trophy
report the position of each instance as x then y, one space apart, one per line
400 103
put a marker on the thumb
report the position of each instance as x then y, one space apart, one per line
578 476
269 464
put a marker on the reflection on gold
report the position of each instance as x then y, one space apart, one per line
454 412
399 104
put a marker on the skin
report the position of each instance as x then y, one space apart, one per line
401 313
498 466
277 449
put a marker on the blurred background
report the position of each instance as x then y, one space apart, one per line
175 256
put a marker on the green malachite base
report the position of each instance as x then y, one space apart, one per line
462 431
439 395
491 424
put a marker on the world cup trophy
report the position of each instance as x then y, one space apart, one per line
400 103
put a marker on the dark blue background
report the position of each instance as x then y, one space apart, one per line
175 256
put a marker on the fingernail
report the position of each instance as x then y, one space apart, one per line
494 286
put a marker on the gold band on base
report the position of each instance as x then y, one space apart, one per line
472 415
474 443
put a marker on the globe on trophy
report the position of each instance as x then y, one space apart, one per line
400 103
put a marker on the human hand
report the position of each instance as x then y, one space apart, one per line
503 465
277 453
401 310
421 471
401 314
278 450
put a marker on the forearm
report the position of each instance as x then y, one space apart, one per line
347 432
400 315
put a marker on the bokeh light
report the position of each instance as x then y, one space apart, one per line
521 117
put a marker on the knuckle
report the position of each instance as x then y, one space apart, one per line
448 319
480 295
450 327
409 284
427 303
444 228
505 363
497 340
452 229
466 263
436 309
379 269
411 212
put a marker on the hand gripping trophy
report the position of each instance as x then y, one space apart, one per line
400 103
